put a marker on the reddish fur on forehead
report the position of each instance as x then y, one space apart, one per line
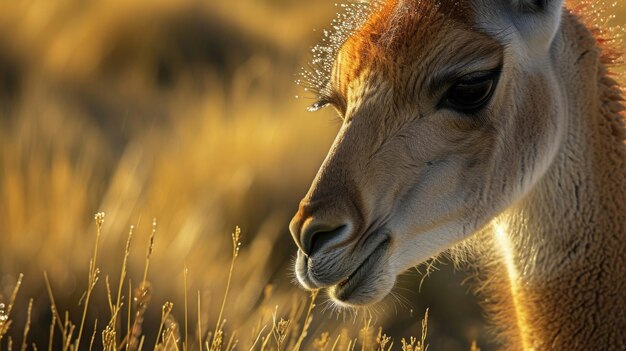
402 20
395 25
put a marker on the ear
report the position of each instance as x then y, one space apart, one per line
537 21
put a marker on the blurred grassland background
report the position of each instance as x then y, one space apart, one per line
183 111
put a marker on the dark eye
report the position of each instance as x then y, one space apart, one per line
472 93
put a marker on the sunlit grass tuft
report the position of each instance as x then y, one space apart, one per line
289 329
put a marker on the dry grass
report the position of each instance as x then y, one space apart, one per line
182 112
271 329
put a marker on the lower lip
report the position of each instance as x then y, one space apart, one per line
347 286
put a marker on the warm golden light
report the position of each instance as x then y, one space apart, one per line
503 241
192 114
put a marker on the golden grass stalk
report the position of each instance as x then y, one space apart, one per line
258 337
236 236
307 321
365 334
52 324
68 331
474 346
130 308
337 340
321 343
143 295
93 335
265 341
150 249
165 311
232 342
5 316
417 345
199 324
55 312
384 342
109 333
109 295
93 275
186 342
122 275
27 325
279 330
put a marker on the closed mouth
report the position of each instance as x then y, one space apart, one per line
347 287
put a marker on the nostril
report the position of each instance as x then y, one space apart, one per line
317 236
320 239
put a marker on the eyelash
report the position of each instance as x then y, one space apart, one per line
320 104
328 97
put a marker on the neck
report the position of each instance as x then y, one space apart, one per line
564 244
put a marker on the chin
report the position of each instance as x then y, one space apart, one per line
364 289
361 297
360 280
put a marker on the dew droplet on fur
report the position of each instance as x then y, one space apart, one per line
348 19
3 315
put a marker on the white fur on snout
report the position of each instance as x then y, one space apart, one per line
325 268
373 286
369 266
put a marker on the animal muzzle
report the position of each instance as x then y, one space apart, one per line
337 254
323 232
314 234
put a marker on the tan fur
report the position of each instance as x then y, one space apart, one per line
540 172
569 232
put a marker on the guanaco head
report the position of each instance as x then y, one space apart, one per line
452 110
